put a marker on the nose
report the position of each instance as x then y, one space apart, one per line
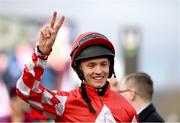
98 70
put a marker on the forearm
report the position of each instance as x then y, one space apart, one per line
32 74
28 85
29 88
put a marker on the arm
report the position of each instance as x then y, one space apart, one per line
28 86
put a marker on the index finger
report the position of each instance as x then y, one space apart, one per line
53 19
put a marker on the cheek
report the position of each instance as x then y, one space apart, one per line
106 70
87 73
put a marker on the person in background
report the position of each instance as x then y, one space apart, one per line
19 109
114 84
138 89
92 58
5 110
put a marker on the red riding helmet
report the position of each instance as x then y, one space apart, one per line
91 45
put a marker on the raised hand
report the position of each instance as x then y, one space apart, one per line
48 34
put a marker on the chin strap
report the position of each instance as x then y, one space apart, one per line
101 91
86 98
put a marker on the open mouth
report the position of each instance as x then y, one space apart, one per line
99 79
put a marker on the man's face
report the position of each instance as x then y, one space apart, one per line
95 71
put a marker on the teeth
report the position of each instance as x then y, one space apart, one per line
99 78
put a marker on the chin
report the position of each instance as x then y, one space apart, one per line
99 85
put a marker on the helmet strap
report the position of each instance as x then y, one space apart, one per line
101 91
114 74
79 71
86 98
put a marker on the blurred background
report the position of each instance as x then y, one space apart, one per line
145 33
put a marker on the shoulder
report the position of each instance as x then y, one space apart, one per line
120 100
150 114
118 97
73 93
121 107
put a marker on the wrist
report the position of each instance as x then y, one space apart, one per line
42 55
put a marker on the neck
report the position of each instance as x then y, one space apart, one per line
141 105
102 90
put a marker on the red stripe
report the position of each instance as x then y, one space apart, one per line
49 108
55 100
51 92
41 87
21 95
28 78
35 96
38 72
37 114
34 58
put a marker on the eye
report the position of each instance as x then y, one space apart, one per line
91 65
104 64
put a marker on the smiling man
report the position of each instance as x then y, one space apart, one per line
92 58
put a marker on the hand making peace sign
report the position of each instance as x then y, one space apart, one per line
48 34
